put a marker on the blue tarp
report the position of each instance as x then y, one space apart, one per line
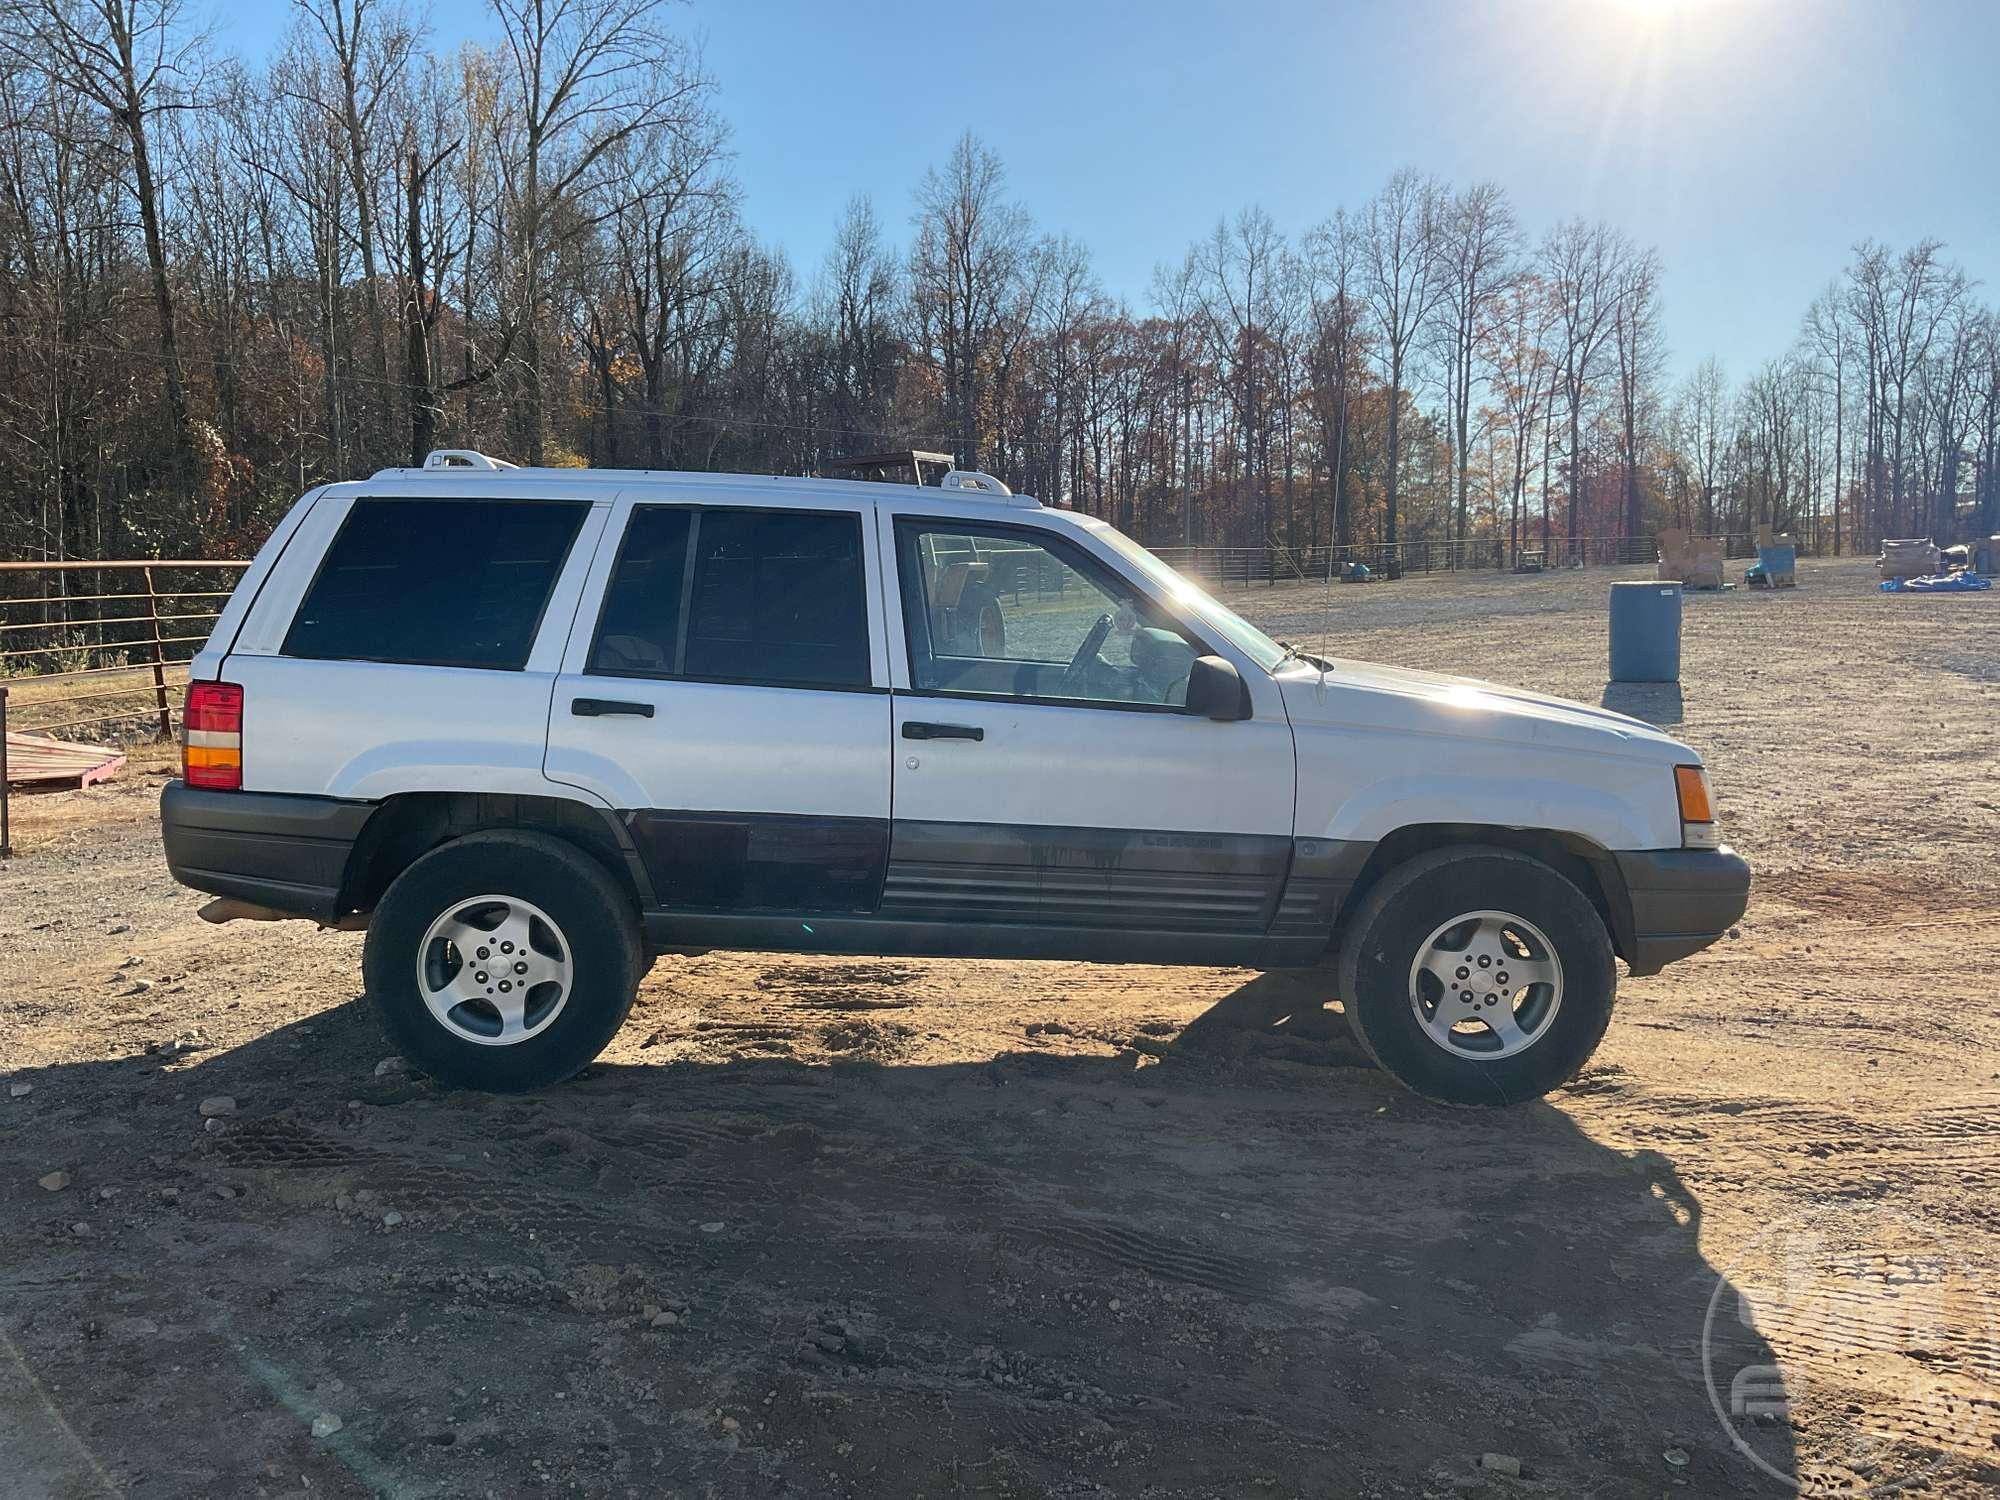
1945 583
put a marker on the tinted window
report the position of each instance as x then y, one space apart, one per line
455 583
778 598
642 606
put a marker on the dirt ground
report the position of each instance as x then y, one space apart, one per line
940 1228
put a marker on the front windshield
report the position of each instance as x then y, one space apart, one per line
1240 633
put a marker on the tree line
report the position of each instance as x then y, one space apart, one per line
220 285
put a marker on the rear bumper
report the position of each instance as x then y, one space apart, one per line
1678 901
279 851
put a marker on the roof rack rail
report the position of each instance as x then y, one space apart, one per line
973 479
464 458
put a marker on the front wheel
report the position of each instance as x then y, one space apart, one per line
503 960
1478 976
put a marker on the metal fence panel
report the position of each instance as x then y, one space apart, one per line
104 646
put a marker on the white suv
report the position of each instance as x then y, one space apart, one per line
533 727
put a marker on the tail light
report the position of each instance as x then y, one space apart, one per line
212 736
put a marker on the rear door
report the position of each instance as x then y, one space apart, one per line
726 689
1046 770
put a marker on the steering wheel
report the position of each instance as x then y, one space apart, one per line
1077 672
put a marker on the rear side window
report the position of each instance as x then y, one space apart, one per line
446 583
774 598
640 626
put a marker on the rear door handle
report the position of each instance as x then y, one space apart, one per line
916 729
595 708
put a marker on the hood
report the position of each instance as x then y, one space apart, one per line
1366 695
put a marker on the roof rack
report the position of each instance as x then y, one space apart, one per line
904 465
965 484
464 458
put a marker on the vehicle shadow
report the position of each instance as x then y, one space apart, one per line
1216 1269
1658 703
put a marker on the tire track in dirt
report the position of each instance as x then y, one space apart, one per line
281 1151
1122 1248
1909 1337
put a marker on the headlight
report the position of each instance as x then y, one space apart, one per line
1698 826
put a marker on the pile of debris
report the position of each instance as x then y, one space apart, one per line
1917 566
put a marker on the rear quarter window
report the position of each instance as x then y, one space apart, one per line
448 583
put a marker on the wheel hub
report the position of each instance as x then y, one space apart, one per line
494 970
1485 985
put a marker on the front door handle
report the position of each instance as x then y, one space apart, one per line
596 708
916 729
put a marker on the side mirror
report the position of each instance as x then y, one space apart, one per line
1216 690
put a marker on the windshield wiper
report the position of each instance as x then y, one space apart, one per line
1293 653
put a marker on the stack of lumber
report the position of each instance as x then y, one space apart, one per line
38 760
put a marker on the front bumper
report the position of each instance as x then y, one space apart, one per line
285 852
1678 901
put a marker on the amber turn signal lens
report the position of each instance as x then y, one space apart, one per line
1691 783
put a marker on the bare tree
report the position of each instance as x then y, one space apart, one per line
678 244
1403 281
1239 268
1986 426
1071 297
1901 302
369 47
1584 266
1829 333
585 77
1337 349
1770 438
1176 291
970 250
1477 236
858 297
1947 387
1703 419
1518 352
1635 336
133 59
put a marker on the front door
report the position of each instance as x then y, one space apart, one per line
1046 771
730 698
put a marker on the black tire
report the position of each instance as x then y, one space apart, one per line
596 921
1381 942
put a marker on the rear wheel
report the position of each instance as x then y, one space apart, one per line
1478 976
503 960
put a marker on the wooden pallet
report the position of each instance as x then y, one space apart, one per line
37 760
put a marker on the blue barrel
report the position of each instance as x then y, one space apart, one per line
1645 632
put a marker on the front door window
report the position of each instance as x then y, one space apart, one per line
1011 614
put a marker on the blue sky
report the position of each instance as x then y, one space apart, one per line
1751 141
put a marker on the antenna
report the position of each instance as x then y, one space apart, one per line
1326 611
1332 531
